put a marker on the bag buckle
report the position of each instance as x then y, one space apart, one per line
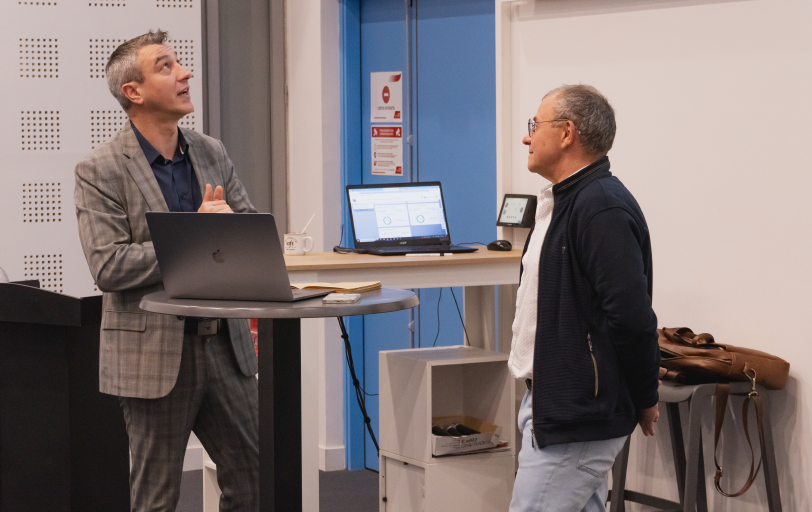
752 378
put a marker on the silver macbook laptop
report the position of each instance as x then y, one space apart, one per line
231 256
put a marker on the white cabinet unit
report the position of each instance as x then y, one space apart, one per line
420 384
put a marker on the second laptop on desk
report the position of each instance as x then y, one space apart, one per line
400 218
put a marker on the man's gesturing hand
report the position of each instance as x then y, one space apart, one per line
214 203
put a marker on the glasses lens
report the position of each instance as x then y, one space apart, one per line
530 127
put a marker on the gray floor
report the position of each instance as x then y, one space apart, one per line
348 491
339 491
191 492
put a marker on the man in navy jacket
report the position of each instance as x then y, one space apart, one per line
584 336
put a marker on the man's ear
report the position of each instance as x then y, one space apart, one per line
132 90
567 134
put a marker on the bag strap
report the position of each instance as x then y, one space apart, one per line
722 393
685 336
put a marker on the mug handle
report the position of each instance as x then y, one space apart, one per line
305 244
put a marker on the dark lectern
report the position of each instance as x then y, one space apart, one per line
63 444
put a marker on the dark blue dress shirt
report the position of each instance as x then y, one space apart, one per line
176 177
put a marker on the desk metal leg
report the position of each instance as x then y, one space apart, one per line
280 415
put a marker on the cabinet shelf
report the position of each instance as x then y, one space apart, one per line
420 384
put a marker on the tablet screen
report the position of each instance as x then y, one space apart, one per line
513 210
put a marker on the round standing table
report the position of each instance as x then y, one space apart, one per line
280 371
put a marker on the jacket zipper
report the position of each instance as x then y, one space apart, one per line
543 244
594 362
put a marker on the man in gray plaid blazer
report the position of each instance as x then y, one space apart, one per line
170 379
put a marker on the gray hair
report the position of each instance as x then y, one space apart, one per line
124 66
590 112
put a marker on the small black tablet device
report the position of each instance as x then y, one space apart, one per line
518 211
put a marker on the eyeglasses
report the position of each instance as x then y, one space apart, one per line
531 125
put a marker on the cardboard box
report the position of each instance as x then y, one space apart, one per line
487 440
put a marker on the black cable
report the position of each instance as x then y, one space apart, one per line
346 250
470 243
438 318
459 313
359 394
351 365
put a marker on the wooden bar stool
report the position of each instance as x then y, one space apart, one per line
690 466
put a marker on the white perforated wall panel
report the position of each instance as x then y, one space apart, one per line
56 108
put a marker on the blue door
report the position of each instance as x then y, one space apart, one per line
450 111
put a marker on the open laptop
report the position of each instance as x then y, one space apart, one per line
400 218
231 256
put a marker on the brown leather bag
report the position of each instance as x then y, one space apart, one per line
696 358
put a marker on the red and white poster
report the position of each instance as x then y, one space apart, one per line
386 95
387 150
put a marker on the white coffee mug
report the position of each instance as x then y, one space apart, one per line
296 244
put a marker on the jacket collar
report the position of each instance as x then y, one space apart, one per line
149 150
598 168
141 171
205 174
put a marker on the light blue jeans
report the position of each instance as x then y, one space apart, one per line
572 477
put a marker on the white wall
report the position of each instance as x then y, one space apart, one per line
713 110
72 94
312 33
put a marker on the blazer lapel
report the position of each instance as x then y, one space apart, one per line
141 171
204 176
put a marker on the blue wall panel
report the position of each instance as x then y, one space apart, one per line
383 48
456 118
444 327
452 111
389 331
456 129
350 40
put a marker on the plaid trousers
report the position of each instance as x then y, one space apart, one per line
215 400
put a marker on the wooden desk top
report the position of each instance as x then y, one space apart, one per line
335 261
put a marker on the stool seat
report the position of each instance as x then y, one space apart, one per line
690 465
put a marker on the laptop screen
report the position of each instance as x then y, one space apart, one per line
403 212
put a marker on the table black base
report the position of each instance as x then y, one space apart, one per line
280 374
280 415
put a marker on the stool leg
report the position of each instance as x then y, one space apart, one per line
693 455
618 500
677 446
770 466
701 487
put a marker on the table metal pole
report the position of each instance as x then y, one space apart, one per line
280 415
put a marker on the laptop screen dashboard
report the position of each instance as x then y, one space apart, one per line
398 214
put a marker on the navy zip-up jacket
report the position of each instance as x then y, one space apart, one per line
596 357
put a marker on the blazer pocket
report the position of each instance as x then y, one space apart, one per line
124 321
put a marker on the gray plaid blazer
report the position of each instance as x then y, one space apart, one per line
140 351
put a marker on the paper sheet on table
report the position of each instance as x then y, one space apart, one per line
347 287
